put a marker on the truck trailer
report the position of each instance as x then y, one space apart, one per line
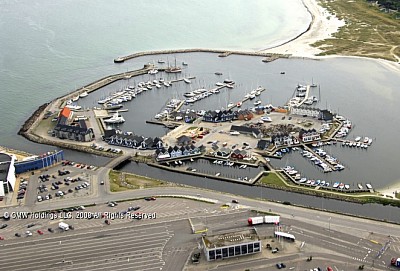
269 219
63 226
255 220
395 262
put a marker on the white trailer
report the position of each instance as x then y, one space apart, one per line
271 219
63 226
255 220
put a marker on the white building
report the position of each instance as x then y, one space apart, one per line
231 244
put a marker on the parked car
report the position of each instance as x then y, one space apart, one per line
40 232
3 226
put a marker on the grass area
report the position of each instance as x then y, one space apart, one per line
45 125
121 181
368 32
273 179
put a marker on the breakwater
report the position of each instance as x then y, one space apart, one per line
222 53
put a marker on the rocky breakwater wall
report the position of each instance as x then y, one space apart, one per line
222 53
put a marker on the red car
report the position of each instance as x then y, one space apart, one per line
1 238
40 232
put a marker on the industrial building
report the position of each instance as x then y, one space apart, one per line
7 174
232 244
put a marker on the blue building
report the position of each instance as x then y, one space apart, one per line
39 162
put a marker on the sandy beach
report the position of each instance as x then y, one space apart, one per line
320 28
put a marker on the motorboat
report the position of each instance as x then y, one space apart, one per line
266 119
187 81
115 119
161 61
218 73
219 84
252 96
357 139
153 71
231 105
75 99
74 107
228 81
184 63
258 102
360 186
239 104
83 94
189 94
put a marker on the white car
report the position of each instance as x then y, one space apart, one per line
28 233
39 198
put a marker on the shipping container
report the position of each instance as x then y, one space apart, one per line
255 220
271 219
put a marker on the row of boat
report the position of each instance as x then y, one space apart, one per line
365 143
323 163
170 106
294 174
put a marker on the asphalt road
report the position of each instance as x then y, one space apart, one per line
356 240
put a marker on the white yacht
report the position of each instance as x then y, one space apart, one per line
75 99
187 81
219 84
266 119
161 61
115 119
83 94
74 107
231 105
252 96
189 94
153 71
258 102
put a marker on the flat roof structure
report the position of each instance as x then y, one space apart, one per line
7 173
232 244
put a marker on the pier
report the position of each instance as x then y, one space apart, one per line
244 99
222 53
319 157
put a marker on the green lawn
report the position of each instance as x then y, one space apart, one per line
121 181
272 178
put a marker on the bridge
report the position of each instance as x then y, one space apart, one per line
117 161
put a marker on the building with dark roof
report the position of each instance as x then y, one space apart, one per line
129 140
177 152
66 128
263 144
309 135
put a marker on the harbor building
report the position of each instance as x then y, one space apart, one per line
309 135
68 128
232 244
